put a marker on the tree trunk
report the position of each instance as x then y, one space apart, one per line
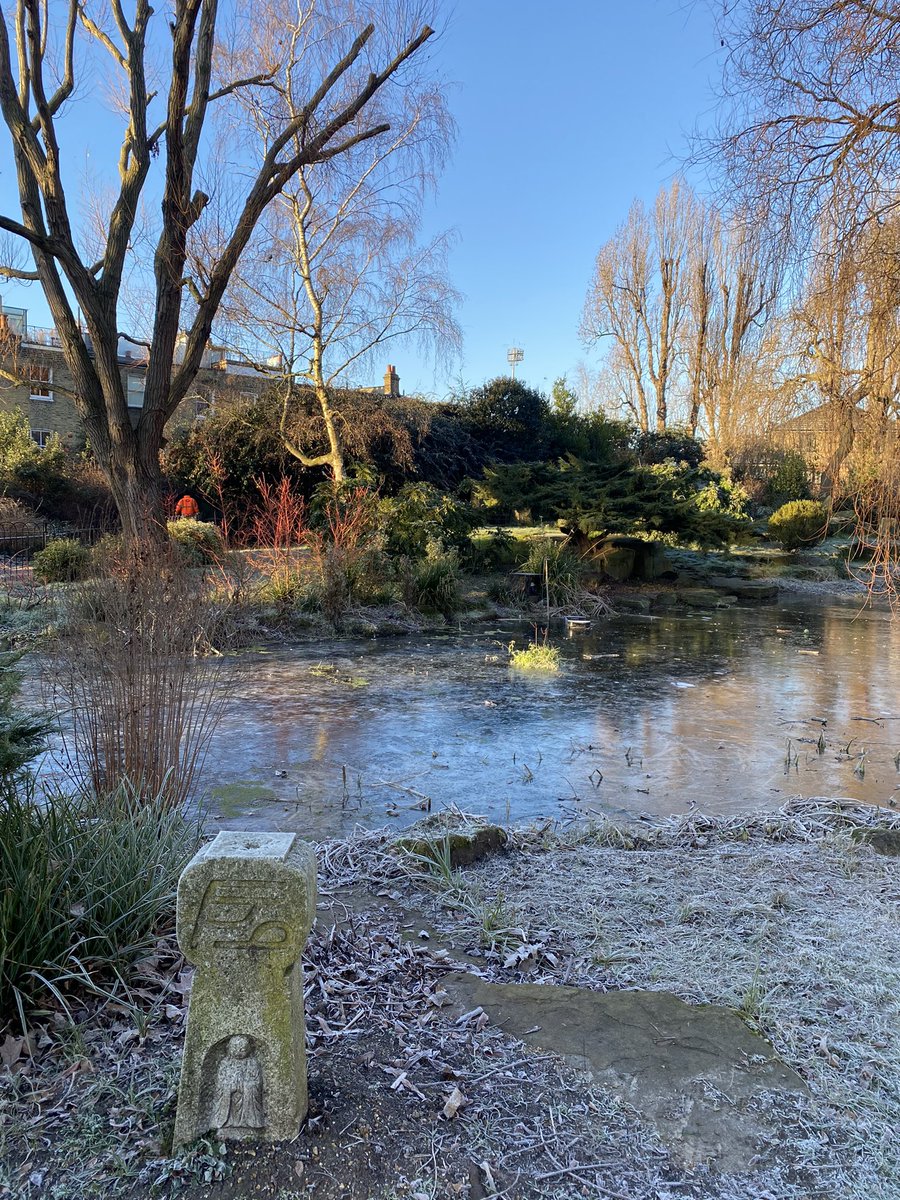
139 499
336 456
135 479
831 476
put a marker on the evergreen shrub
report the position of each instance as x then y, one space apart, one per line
200 541
62 561
788 480
799 523
420 513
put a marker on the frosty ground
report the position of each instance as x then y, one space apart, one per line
788 919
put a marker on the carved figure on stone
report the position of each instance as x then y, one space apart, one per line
238 1094
245 907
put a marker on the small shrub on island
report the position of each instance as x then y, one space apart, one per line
799 523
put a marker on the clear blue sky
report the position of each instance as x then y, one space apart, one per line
566 112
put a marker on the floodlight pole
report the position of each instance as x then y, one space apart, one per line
514 355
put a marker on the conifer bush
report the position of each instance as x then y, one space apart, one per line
62 561
799 523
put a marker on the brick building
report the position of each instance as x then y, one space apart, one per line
46 397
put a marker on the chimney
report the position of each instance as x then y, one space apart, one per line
391 382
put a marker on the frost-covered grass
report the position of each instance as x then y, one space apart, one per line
784 917
781 915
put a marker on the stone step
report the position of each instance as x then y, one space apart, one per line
747 589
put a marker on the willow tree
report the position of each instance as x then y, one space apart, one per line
810 117
810 131
188 187
848 330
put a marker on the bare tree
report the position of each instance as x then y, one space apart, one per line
337 271
810 121
174 72
730 349
637 299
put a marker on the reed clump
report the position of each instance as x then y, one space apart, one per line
538 656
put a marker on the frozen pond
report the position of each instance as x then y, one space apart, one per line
734 709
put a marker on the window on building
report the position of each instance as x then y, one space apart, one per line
41 437
40 379
135 390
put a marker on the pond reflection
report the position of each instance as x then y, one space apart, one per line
725 711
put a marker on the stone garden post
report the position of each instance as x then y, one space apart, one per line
245 907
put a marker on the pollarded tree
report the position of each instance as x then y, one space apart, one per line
184 81
637 299
730 343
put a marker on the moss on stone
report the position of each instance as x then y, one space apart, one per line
465 845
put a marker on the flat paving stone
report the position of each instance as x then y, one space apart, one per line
693 1070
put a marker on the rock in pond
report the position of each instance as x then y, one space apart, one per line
757 591
632 604
705 598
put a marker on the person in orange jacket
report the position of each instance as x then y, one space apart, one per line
188 508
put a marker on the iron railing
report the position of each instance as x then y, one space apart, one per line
19 544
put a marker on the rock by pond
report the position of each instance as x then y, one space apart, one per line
882 840
620 557
462 846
